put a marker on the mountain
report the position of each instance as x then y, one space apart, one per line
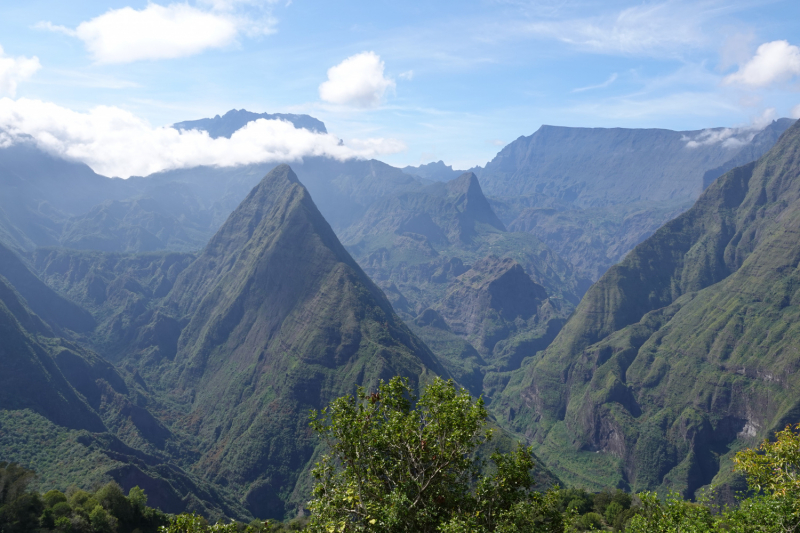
683 353
227 124
41 191
441 253
70 414
58 311
437 171
592 194
275 318
227 350
50 202
751 151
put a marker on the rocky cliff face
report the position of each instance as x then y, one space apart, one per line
684 351
592 194
491 299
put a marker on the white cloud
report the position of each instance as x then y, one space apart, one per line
230 5
407 75
663 29
357 81
728 137
774 62
611 79
14 70
796 111
160 32
114 142
732 137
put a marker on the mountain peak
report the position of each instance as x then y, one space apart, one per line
436 171
700 307
468 197
269 209
235 119
280 320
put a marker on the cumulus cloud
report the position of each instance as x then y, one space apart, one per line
14 70
774 62
161 32
357 81
114 142
796 111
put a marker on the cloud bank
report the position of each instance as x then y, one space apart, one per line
114 142
161 32
774 62
357 81
731 137
14 70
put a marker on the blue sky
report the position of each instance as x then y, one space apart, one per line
407 82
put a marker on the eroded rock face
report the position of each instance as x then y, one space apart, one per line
490 300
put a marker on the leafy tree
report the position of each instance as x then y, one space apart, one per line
107 510
773 473
14 481
401 464
19 508
674 515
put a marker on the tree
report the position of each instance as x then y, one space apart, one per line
773 473
401 464
674 515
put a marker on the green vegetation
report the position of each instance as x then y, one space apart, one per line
406 464
398 463
771 472
678 358
106 510
218 358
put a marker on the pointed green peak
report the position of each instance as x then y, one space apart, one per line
466 193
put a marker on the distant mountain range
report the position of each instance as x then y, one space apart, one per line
592 194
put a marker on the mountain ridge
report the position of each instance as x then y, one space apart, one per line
227 124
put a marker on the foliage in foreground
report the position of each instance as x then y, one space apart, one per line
106 510
398 463
772 472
